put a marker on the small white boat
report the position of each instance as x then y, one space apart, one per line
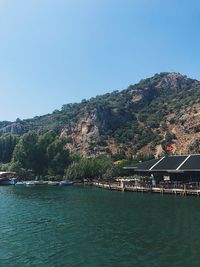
40 182
53 183
66 183
19 184
29 183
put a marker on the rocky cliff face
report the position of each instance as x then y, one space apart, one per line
187 130
88 137
143 119
13 128
83 135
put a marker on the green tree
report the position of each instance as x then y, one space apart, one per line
26 152
90 169
58 157
43 142
7 145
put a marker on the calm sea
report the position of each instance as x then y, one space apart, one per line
85 226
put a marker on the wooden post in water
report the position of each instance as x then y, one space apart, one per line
122 185
184 189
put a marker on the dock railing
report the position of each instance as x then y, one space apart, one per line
167 188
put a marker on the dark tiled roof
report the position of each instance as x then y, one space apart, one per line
193 162
147 164
171 163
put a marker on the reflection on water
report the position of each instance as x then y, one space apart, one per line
84 226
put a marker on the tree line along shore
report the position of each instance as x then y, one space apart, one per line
44 156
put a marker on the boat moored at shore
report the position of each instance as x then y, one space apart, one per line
66 183
29 183
8 181
40 182
8 178
19 183
53 183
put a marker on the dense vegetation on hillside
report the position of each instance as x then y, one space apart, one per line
158 99
45 156
135 119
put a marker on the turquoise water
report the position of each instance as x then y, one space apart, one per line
84 226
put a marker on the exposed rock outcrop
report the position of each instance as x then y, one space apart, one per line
143 119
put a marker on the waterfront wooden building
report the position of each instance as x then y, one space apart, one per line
180 168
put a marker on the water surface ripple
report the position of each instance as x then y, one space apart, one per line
83 226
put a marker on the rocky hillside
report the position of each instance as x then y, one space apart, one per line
143 119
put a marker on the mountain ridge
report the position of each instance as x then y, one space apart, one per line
142 119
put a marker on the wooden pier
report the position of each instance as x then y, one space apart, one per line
141 189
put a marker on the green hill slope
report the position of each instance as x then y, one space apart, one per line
143 119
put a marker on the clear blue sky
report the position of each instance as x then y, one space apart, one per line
54 52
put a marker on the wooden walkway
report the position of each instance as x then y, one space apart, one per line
160 190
